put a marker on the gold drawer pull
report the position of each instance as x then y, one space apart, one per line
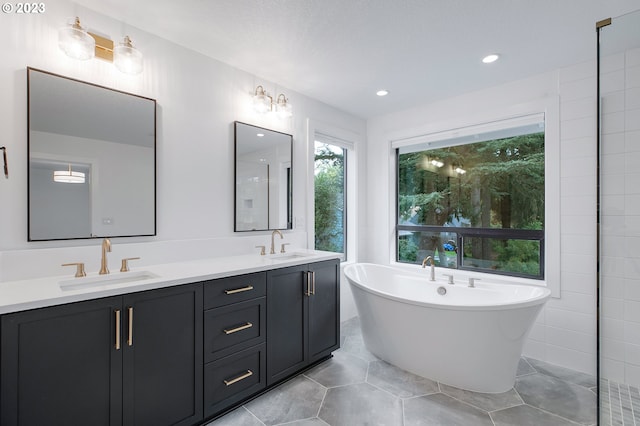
130 338
117 329
235 330
249 373
239 290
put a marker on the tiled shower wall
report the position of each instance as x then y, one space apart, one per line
620 183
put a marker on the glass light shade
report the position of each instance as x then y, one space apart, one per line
67 176
127 58
75 42
283 107
261 103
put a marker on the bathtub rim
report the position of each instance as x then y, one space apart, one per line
539 300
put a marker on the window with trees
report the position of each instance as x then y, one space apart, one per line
330 197
474 198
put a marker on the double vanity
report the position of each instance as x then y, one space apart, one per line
171 344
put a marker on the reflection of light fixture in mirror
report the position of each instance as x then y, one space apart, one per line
263 103
460 170
68 176
127 58
75 42
437 163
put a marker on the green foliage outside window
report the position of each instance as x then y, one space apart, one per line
502 187
329 198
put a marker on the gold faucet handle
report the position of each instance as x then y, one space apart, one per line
262 250
79 270
125 263
282 250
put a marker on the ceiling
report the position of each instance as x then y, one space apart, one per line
342 51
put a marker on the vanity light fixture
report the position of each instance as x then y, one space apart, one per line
127 58
68 176
460 170
490 58
77 43
283 106
263 103
437 163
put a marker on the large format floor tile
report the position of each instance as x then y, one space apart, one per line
360 404
565 399
440 409
399 382
297 399
526 415
355 388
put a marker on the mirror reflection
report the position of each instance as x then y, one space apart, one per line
91 160
263 179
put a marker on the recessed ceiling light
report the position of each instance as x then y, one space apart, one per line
259 135
382 93
490 58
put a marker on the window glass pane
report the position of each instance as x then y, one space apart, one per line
493 184
329 185
489 194
414 246
519 257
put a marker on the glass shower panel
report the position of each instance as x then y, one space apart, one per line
619 219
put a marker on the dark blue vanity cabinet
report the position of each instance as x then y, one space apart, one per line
173 356
303 317
127 360
234 340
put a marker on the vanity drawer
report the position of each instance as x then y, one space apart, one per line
231 328
234 289
234 378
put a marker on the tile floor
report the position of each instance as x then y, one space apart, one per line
620 404
355 388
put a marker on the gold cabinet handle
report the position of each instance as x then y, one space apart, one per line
130 336
249 373
117 329
313 282
239 290
235 330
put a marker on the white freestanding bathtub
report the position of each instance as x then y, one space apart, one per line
470 338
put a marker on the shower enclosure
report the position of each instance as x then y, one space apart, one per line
618 217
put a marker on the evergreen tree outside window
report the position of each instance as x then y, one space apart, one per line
474 202
330 197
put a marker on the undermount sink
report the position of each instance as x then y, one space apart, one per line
111 279
288 256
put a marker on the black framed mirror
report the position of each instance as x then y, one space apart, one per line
92 160
263 179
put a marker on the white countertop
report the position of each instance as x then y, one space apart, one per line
41 292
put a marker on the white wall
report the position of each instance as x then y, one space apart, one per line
564 333
198 100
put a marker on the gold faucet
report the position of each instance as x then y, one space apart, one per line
273 234
106 247
426 260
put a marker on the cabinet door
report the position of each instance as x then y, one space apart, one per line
60 366
286 322
162 357
324 309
